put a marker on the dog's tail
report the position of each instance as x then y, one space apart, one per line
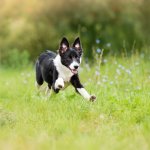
39 78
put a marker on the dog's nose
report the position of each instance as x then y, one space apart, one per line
76 67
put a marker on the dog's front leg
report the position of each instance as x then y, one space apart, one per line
58 83
80 89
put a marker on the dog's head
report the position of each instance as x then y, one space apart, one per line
71 55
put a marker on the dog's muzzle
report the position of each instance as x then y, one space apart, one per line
74 67
74 71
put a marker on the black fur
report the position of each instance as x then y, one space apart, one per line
76 82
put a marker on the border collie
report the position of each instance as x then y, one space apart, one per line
59 69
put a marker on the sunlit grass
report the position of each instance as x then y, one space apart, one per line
119 119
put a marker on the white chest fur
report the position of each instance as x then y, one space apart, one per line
63 71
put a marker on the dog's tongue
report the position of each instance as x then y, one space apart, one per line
74 71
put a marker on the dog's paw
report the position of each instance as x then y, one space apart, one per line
59 84
93 98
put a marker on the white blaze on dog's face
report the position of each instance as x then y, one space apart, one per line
71 56
74 66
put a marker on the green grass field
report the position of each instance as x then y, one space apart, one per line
118 120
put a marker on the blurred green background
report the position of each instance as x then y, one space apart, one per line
28 27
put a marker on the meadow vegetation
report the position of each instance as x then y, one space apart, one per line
119 119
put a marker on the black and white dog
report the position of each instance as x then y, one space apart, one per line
62 68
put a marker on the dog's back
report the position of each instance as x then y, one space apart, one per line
48 55
44 64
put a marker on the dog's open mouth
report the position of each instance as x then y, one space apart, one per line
74 71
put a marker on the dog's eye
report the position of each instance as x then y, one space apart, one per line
76 57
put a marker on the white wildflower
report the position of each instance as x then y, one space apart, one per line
104 80
111 82
105 60
98 82
98 50
118 71
97 73
98 41
108 44
128 71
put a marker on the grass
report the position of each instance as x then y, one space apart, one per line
119 119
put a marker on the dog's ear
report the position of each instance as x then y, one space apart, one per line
64 45
77 44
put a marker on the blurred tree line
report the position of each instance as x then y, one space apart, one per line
34 26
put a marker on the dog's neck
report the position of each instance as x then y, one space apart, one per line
63 71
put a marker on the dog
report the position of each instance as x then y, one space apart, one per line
59 69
